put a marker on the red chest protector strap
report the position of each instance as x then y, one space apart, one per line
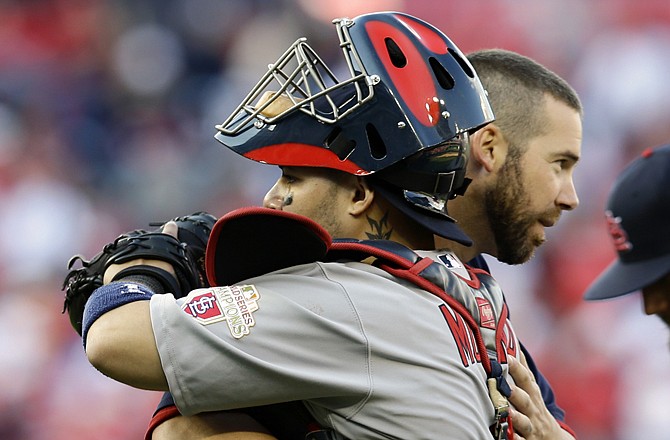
402 262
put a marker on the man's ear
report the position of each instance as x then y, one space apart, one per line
362 197
488 147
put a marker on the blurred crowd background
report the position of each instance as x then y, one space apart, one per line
107 114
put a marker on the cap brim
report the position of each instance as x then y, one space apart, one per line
441 225
620 278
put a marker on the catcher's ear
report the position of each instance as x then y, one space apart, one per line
249 242
362 196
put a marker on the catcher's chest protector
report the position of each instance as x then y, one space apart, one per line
476 303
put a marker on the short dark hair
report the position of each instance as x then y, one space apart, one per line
517 86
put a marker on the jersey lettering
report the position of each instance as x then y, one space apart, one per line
507 343
463 336
238 303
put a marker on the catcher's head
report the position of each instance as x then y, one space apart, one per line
403 114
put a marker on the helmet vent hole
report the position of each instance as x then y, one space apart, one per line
444 78
398 58
464 64
339 144
375 141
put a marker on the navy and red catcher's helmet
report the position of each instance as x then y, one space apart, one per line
410 89
403 115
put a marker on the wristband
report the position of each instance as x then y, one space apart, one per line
162 281
151 283
109 297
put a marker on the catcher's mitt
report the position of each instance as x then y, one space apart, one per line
186 255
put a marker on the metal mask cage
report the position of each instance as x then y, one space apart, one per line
300 80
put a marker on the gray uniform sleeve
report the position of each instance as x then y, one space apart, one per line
291 335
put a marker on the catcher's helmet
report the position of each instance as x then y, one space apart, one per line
409 90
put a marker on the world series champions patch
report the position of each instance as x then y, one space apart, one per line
233 304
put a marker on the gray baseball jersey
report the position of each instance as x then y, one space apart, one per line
372 356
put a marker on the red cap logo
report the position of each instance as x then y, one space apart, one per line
618 234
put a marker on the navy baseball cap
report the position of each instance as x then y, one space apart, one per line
438 223
638 216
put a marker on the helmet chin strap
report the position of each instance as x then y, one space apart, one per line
460 190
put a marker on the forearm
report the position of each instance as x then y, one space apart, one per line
121 345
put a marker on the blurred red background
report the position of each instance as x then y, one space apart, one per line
107 111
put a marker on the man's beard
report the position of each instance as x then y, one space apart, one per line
510 220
